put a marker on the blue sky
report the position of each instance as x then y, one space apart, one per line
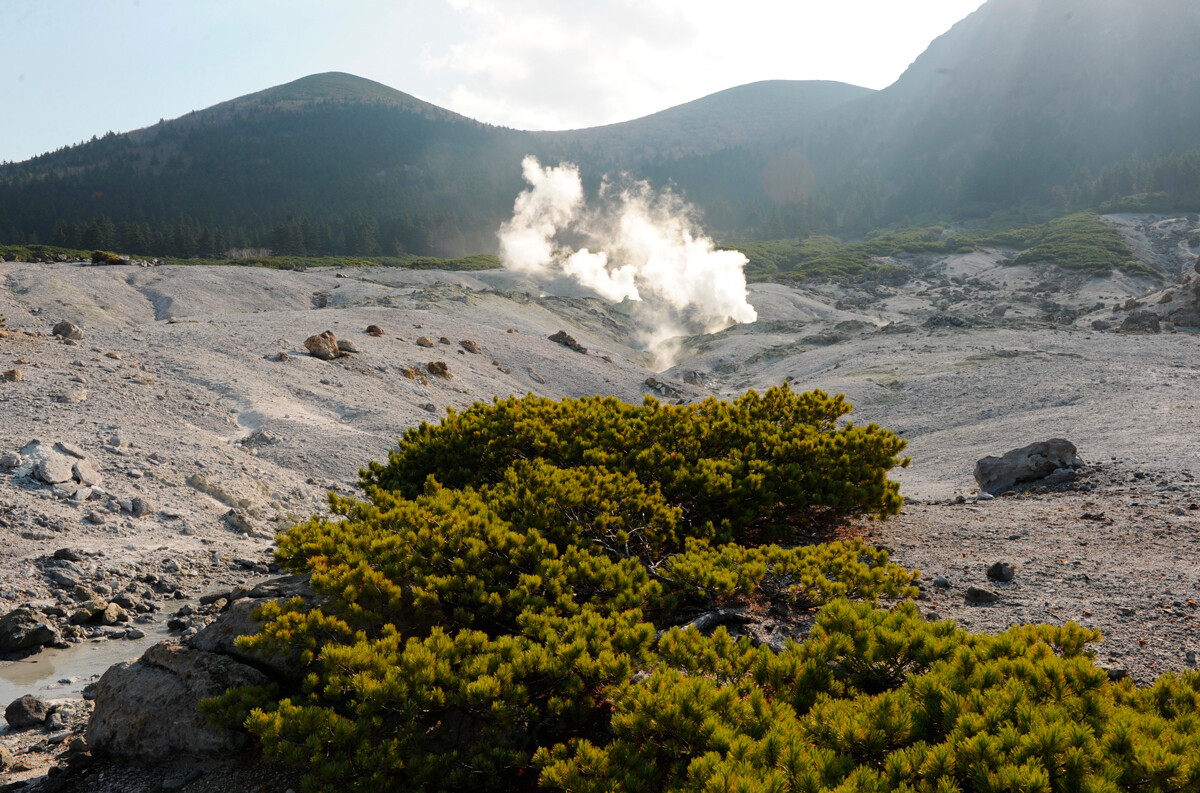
72 69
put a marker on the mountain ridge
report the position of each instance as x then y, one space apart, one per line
1044 103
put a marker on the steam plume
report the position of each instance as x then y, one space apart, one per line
641 246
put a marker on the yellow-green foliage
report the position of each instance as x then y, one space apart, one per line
105 257
488 613
879 701
504 612
757 468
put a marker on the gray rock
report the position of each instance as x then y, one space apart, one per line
220 635
1142 322
238 520
1030 463
139 508
27 711
54 469
941 582
1001 571
68 330
84 472
149 709
975 594
70 448
345 345
10 460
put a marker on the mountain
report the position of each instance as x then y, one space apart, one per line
1061 104
1024 95
334 163
755 115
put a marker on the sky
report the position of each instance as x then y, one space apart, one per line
72 69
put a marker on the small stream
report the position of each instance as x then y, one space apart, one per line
42 674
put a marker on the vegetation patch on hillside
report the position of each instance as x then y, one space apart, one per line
1080 242
526 599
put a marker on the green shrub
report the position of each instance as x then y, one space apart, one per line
759 468
880 701
105 257
475 611
1076 242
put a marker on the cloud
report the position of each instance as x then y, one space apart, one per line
559 65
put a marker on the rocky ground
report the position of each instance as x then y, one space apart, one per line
145 467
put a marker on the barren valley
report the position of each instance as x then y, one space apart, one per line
203 426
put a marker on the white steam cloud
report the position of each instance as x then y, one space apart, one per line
641 246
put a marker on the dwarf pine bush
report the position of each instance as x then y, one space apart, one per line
508 609
758 468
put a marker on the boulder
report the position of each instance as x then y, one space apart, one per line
1142 322
85 473
567 341
439 368
1030 463
424 341
27 711
323 346
374 330
238 620
979 595
89 611
25 629
471 347
10 460
55 468
1001 571
68 330
149 709
348 346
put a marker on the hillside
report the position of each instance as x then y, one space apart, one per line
1024 95
1058 105
756 115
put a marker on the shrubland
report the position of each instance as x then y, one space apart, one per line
1080 242
518 602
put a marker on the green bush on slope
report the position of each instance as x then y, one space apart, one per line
508 609
477 609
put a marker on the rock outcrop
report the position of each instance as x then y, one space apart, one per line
1142 322
323 346
1052 458
68 330
25 712
24 629
149 709
568 341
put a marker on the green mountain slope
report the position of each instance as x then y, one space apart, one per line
1064 104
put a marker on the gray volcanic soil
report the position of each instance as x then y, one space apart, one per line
968 357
